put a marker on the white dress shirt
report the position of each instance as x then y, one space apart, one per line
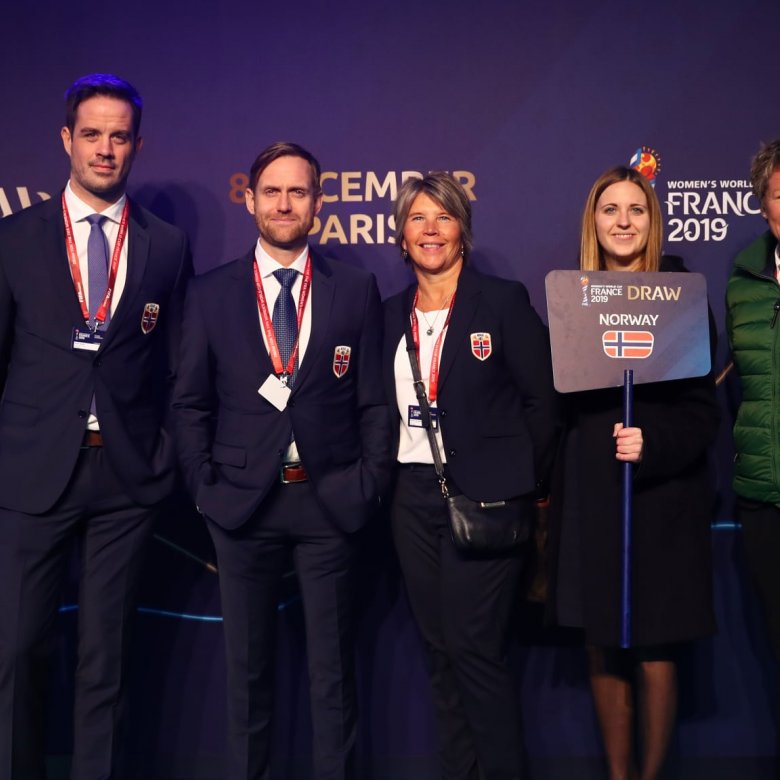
777 263
414 446
79 211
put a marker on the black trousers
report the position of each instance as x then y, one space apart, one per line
462 607
111 531
252 560
761 542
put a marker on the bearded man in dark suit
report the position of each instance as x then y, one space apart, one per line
284 439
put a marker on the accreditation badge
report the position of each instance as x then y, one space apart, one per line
414 419
341 357
149 317
275 391
87 340
481 345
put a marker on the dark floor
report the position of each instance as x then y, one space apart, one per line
424 768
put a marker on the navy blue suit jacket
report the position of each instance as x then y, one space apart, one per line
47 387
498 415
231 440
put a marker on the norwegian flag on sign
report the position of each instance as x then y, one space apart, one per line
627 343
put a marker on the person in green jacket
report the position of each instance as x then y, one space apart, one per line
752 309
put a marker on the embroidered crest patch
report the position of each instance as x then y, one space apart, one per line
481 346
149 317
341 360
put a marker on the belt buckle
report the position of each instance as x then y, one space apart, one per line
289 466
91 439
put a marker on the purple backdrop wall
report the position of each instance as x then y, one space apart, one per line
528 102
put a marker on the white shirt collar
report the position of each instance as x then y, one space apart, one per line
267 265
79 210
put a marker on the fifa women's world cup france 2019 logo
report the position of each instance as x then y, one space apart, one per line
648 162
584 282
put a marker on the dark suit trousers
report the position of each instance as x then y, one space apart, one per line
111 531
462 607
252 560
761 543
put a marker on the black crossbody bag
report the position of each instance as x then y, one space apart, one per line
476 526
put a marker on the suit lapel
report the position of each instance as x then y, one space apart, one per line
397 313
243 297
138 247
55 257
466 302
322 292
402 318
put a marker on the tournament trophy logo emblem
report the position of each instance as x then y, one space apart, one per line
648 162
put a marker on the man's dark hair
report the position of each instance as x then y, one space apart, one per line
102 84
284 149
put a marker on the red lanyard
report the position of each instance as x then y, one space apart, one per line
433 378
75 268
268 327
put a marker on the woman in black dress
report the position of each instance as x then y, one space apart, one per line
675 424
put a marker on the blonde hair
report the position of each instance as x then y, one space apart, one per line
591 252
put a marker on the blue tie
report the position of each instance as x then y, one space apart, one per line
97 263
285 318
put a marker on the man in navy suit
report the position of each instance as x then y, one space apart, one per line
91 290
283 435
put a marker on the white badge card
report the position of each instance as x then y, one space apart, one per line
414 419
275 392
87 340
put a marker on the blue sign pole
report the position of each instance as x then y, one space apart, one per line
628 474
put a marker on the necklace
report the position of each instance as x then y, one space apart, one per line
432 325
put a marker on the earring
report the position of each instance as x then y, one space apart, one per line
404 254
462 250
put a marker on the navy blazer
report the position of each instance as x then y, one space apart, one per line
231 440
47 386
498 414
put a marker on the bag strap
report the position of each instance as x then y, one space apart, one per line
425 407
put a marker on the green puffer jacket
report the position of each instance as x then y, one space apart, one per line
753 326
